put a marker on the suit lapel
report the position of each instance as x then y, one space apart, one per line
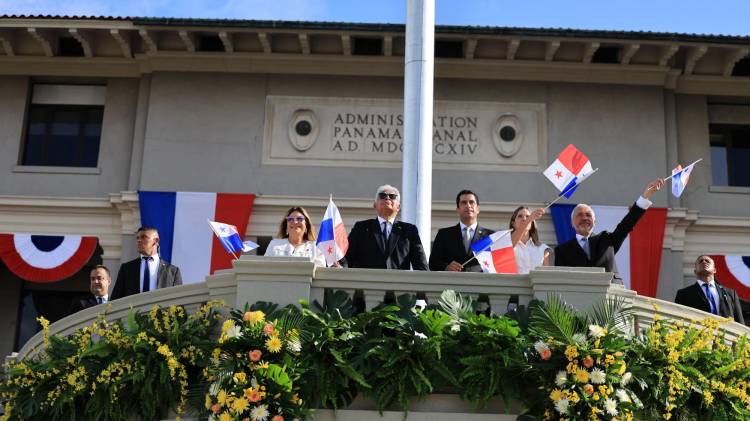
161 277
378 234
393 238
701 296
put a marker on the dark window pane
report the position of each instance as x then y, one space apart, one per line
63 135
719 166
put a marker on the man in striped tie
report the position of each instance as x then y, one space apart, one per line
708 295
99 279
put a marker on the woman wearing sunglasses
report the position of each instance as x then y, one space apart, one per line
296 238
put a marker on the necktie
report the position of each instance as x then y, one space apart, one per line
385 231
711 301
467 238
99 300
146 274
585 246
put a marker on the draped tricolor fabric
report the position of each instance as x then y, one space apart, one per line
733 271
639 258
45 258
185 238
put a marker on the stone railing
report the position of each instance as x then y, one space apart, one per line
286 280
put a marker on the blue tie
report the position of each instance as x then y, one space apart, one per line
146 274
711 301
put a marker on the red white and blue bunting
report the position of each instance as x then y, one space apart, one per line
733 271
45 258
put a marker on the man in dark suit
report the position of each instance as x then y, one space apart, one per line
147 272
450 250
708 295
99 286
599 250
383 242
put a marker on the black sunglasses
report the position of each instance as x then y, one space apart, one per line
392 196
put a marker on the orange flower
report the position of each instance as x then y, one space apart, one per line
268 329
216 408
546 354
588 389
255 355
252 395
588 362
277 418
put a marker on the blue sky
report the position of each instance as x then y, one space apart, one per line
728 17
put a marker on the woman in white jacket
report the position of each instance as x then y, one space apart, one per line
296 238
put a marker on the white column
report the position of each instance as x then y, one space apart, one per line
419 64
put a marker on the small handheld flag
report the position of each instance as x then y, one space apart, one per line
495 253
680 177
569 169
230 238
332 240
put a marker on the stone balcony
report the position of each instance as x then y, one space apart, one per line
286 280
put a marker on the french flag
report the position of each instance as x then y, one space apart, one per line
569 169
680 177
185 240
495 253
733 271
332 239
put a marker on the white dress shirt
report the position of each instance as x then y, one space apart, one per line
529 255
153 268
282 247
714 291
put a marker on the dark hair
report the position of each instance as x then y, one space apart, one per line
532 232
309 234
463 192
106 269
141 229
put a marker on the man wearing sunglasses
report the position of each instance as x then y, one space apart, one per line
383 242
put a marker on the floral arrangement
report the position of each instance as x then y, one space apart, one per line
111 370
252 373
692 371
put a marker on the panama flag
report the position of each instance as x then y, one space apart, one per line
680 177
569 169
495 253
230 238
332 239
185 240
733 271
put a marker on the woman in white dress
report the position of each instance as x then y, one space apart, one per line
296 238
530 252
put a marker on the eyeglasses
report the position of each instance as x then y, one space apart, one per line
295 219
392 196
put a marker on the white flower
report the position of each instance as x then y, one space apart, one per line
294 346
259 413
597 331
214 389
611 406
622 395
562 406
455 328
420 335
540 346
234 332
598 376
626 378
253 382
579 338
561 378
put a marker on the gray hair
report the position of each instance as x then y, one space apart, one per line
385 187
577 208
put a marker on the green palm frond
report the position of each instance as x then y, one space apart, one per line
613 313
456 305
555 319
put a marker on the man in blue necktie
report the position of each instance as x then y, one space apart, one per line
708 295
148 271
99 280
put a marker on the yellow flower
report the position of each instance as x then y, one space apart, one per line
240 405
708 397
253 317
228 324
222 397
208 401
273 344
556 395
582 376
225 417
240 378
595 396
571 352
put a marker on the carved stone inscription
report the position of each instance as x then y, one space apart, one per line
370 132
